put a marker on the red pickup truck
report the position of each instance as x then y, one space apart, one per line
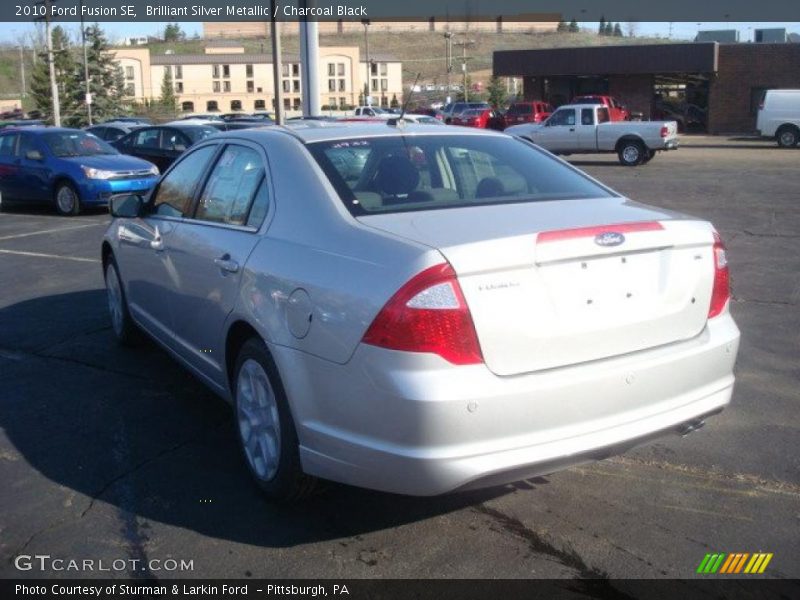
616 110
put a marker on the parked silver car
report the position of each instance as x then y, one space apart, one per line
419 310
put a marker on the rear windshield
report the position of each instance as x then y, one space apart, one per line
405 173
520 109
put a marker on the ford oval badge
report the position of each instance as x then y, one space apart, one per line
608 239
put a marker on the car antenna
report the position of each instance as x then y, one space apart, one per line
397 121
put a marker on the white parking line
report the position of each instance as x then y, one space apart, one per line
55 230
40 255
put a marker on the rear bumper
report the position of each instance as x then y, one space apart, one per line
671 144
412 424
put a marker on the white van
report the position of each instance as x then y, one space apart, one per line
779 117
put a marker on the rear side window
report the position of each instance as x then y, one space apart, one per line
148 138
406 173
8 144
176 191
232 187
602 115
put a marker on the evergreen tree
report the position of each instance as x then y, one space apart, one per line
173 33
66 76
602 28
562 26
617 30
573 26
497 92
609 29
168 100
106 81
394 103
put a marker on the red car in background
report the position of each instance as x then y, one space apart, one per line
483 118
527 112
616 110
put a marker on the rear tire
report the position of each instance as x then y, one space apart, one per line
68 203
788 137
265 427
631 153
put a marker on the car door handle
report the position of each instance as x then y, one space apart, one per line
157 244
225 263
572 129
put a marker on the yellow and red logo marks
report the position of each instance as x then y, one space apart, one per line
737 562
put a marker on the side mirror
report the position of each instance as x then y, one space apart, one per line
127 206
34 155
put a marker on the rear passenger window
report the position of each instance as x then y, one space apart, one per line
232 187
176 191
8 144
147 139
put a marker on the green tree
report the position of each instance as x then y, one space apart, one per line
602 29
562 26
617 30
106 81
66 69
609 29
573 26
497 92
173 33
394 103
168 99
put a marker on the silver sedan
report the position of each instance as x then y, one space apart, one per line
420 310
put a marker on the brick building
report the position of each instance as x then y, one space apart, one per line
705 86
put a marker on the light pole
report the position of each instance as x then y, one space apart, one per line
277 65
366 23
86 69
51 63
22 71
448 59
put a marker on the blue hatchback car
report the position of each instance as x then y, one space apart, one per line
68 168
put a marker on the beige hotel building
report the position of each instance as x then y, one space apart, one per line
225 78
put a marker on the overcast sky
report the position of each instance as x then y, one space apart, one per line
10 32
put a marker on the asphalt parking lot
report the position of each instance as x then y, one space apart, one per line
110 453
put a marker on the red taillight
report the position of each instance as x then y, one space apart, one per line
428 314
721 292
664 131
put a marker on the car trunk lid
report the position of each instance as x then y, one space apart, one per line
551 284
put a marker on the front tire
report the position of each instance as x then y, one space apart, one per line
67 201
265 427
788 137
631 153
121 322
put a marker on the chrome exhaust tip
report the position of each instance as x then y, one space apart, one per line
690 427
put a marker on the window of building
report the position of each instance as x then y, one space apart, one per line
374 86
384 69
287 104
179 87
215 71
259 105
295 70
296 104
212 106
384 102
373 68
332 102
384 85
178 72
248 70
187 106
296 86
342 102
168 71
250 87
331 69
128 72
226 71
342 85
287 85
215 86
226 86
285 70
341 69
331 85
236 105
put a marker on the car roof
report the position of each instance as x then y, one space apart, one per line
38 129
343 131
